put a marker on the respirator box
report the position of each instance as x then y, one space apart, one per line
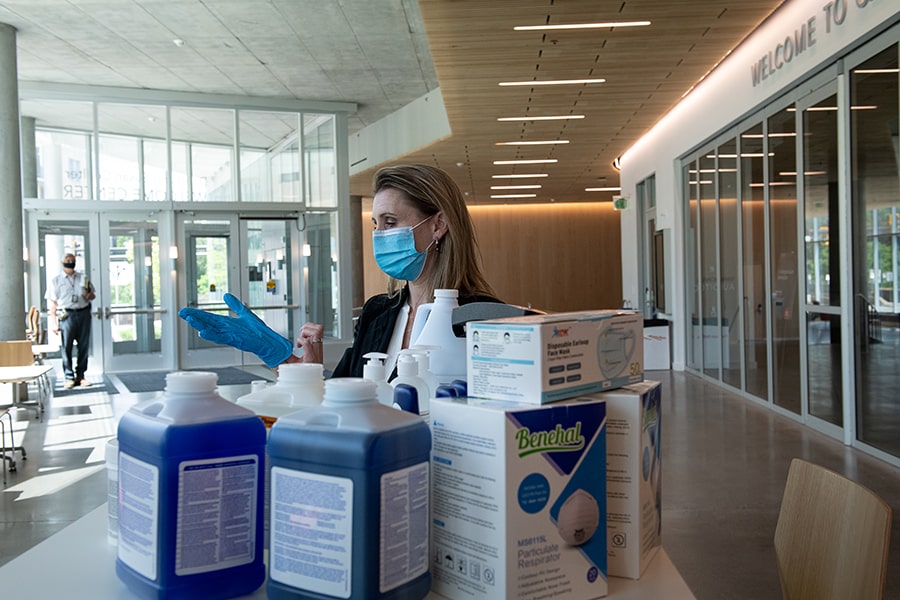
518 499
633 476
538 359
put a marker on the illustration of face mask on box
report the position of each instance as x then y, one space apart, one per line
578 519
614 351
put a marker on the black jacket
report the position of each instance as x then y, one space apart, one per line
375 327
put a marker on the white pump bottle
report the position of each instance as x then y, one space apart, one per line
373 370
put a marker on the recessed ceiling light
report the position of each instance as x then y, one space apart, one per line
520 176
515 187
539 161
582 25
532 143
552 82
876 71
513 195
178 42
603 189
542 118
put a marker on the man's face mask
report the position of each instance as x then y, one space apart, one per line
69 265
396 254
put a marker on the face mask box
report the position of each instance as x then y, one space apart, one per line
633 476
518 500
544 358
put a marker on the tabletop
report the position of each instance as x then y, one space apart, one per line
83 566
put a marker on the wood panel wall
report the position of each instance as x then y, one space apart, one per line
556 257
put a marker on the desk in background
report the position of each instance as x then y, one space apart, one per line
79 563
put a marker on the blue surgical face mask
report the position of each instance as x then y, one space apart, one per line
396 254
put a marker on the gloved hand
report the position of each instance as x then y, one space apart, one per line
247 332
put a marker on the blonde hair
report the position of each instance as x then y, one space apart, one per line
457 260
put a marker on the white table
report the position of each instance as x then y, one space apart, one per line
27 374
79 563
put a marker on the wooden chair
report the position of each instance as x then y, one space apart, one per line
832 537
18 353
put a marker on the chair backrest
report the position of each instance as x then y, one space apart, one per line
33 330
16 353
832 537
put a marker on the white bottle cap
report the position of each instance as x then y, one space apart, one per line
444 293
300 372
191 382
349 390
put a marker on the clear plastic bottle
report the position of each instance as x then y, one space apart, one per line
433 326
374 371
408 373
337 474
169 447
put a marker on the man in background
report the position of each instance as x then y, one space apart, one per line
69 298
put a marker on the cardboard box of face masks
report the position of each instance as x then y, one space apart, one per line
633 476
518 500
544 358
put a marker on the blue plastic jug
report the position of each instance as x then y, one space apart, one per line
349 499
191 467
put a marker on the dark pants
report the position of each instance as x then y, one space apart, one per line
76 329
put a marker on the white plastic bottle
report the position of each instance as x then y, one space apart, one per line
433 326
373 370
408 373
298 385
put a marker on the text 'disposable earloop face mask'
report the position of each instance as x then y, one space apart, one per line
396 254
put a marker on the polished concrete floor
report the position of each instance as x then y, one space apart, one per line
725 460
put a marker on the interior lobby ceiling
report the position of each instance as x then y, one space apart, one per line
383 54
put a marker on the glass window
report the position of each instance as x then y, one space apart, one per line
709 270
64 165
781 141
729 265
260 134
320 276
119 168
753 236
822 247
286 174
692 274
318 150
209 135
156 166
874 114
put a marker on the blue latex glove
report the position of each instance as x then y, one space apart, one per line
247 332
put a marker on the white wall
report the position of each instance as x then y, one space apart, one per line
729 93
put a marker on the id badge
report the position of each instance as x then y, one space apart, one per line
74 299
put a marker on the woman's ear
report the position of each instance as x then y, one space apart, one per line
440 225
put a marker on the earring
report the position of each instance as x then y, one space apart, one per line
437 244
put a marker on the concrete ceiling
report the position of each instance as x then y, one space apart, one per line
383 54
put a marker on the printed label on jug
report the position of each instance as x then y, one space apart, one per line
312 531
216 524
404 526
138 515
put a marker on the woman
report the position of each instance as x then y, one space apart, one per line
423 239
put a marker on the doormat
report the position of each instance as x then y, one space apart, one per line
105 387
155 381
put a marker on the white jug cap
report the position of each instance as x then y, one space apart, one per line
191 382
349 390
446 293
298 372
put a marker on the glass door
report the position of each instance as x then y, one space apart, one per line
252 259
135 322
131 322
822 253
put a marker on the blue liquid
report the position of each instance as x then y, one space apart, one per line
166 445
362 457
